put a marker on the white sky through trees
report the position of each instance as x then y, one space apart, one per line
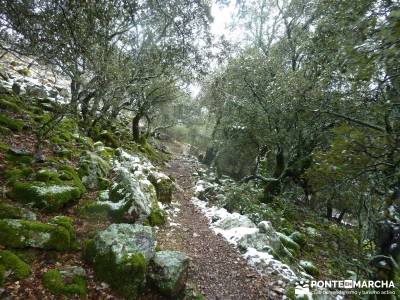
222 15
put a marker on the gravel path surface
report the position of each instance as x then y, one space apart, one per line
217 270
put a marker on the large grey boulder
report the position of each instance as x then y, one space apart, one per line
120 255
36 91
133 195
93 170
169 270
260 242
266 239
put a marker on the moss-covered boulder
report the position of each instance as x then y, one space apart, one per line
299 238
94 171
164 186
309 267
19 156
104 152
11 123
120 256
102 207
289 243
47 197
260 242
65 222
8 211
48 176
70 177
66 281
14 174
11 262
233 221
10 102
169 270
95 210
16 233
157 217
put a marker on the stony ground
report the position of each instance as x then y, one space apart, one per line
217 269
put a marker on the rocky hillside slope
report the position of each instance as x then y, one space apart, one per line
80 219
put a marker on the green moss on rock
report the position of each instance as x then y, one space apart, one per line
94 209
299 238
24 71
25 158
93 170
157 217
46 175
2 275
10 261
65 222
289 243
309 267
8 211
120 255
169 271
5 131
69 176
3 147
53 280
15 174
10 102
164 186
49 198
13 124
16 233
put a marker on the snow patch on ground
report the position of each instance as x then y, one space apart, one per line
262 261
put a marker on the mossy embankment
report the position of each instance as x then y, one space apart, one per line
42 227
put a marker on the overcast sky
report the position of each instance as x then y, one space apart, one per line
222 16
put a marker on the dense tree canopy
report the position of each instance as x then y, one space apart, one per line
305 107
116 53
312 102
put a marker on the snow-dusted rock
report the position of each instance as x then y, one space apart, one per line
48 197
267 264
36 91
132 197
18 233
234 220
266 227
135 195
260 241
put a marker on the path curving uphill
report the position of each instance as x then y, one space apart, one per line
217 270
